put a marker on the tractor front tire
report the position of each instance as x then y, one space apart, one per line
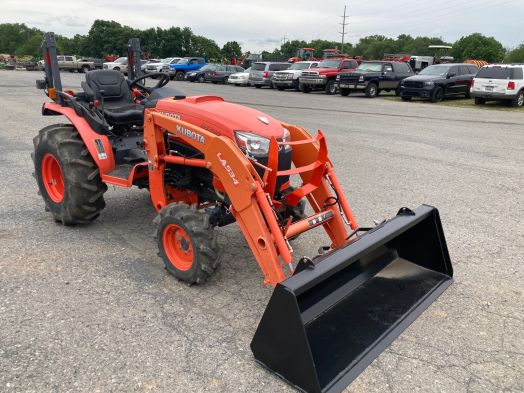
187 243
68 178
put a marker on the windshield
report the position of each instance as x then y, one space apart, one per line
166 60
494 73
328 64
371 67
435 70
299 66
209 67
121 60
258 67
183 61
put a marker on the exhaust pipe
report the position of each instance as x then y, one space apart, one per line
327 323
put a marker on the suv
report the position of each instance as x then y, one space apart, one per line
289 78
374 76
499 82
187 64
438 81
262 72
325 74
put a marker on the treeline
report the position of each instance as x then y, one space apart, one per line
109 37
473 46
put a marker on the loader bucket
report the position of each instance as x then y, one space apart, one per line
325 325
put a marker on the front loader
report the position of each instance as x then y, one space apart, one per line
207 163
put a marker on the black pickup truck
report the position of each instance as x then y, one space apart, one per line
372 77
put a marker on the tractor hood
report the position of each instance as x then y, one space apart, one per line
222 118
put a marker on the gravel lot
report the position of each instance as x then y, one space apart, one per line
89 309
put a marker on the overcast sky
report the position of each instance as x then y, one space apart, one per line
262 24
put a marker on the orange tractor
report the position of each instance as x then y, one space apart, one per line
208 163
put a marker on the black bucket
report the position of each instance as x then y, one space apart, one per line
326 324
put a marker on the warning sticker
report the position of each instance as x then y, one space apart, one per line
100 149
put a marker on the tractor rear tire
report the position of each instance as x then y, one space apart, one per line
68 178
187 242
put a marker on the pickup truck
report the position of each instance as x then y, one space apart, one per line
74 63
372 77
289 78
187 64
324 75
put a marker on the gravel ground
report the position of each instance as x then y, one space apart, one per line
89 309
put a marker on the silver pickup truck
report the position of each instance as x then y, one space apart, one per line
74 63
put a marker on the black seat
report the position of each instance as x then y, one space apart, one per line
119 106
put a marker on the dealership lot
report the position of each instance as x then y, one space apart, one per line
92 308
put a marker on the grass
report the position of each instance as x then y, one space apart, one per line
463 103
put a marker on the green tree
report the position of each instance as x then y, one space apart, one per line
479 47
16 38
290 48
202 46
516 55
231 49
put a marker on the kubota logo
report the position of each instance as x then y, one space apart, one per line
190 134
228 169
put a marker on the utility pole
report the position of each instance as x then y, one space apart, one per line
343 32
284 39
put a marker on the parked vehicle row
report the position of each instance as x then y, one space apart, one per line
496 82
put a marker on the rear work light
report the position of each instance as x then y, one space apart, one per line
266 74
511 85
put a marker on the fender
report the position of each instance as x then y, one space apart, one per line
98 145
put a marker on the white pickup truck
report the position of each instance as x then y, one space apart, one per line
74 63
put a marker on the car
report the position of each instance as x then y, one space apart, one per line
239 78
372 77
221 73
323 76
262 72
439 81
119 64
198 75
499 82
290 78
162 65
184 65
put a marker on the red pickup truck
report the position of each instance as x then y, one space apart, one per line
323 76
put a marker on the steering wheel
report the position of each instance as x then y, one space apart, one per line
164 79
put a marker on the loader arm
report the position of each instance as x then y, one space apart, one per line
243 186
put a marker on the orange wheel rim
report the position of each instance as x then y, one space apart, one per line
52 178
178 247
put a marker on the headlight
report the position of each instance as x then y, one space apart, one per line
165 67
361 78
323 76
337 78
429 83
252 144
286 138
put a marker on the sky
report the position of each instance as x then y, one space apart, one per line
263 24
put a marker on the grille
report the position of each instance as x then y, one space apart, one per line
350 79
413 84
310 74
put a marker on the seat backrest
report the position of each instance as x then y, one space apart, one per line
113 83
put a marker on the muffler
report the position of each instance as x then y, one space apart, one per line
326 324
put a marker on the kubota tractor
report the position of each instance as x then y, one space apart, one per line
208 163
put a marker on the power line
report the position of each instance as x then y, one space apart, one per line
343 32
